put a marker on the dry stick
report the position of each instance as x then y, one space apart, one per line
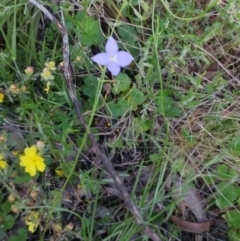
102 157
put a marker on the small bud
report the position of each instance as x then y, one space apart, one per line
60 66
14 209
34 195
30 203
40 145
78 59
2 139
14 89
24 88
11 198
29 71
69 227
57 228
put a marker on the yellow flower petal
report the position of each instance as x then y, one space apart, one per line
1 97
31 169
31 227
40 165
50 65
48 87
28 151
25 161
3 165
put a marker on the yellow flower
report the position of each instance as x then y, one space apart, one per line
47 74
32 161
3 164
32 221
50 65
1 97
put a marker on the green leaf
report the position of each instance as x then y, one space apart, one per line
173 111
5 209
165 105
8 222
234 146
122 83
224 172
23 179
90 88
233 234
127 34
22 235
118 143
118 109
135 98
233 218
226 195
88 30
141 126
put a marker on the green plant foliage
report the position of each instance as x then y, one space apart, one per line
5 209
135 97
234 146
188 136
227 194
8 222
87 29
142 126
226 173
127 34
166 105
21 235
90 87
233 219
234 234
121 84
119 109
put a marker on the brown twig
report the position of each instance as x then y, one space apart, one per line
95 148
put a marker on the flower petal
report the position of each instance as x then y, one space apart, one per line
40 166
101 58
28 151
124 58
25 161
113 68
1 97
31 169
31 227
3 165
111 46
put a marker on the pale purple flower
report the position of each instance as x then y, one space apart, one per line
113 58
